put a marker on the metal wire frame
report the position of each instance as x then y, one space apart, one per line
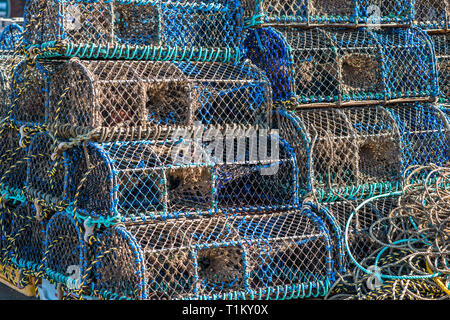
274 254
328 13
340 67
151 180
127 96
141 29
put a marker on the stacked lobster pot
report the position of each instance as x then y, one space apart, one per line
357 87
152 165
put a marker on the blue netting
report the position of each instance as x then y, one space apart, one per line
148 30
328 12
147 180
248 257
338 66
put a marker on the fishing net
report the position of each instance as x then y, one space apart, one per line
442 49
278 254
146 30
411 260
432 14
328 12
329 67
131 180
126 96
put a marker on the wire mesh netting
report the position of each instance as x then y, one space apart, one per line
442 48
13 167
432 14
345 153
139 180
221 258
45 173
25 244
121 95
328 12
338 66
64 257
150 30
29 91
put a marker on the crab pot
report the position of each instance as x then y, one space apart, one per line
432 14
136 30
10 38
216 257
150 180
379 148
6 217
442 48
329 67
64 247
248 182
327 12
13 166
340 153
424 135
26 243
330 152
45 176
29 92
125 94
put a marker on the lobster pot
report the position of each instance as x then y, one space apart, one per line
216 258
45 173
11 38
135 30
124 94
446 110
329 67
432 14
29 92
379 149
133 180
25 247
340 153
424 135
442 48
6 216
328 12
13 167
64 248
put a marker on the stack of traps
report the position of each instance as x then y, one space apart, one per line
427 14
209 30
155 179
